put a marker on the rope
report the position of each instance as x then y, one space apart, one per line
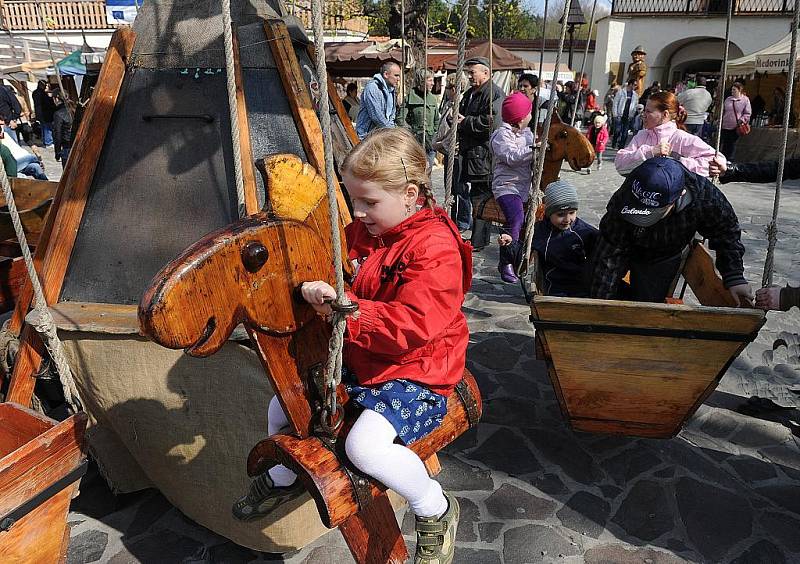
772 228
333 370
535 194
40 318
583 65
52 57
403 47
425 86
451 149
491 65
230 75
724 74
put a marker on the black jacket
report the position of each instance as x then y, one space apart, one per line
564 256
9 105
708 213
62 129
43 106
760 171
474 131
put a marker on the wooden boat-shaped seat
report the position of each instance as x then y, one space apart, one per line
33 199
641 369
41 462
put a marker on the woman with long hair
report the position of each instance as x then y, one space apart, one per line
664 135
736 112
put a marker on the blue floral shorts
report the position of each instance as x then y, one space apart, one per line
412 409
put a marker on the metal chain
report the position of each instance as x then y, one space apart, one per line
451 148
230 75
534 193
583 66
772 228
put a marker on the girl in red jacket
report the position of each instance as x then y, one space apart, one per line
405 348
598 137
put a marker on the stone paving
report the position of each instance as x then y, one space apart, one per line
726 489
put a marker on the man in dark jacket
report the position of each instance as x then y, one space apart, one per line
44 108
475 127
62 129
649 222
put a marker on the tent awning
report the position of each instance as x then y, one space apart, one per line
502 59
772 59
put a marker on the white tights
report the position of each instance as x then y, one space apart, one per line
371 448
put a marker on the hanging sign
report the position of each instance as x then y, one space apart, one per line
121 12
773 63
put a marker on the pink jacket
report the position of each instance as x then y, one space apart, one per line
598 138
734 107
690 150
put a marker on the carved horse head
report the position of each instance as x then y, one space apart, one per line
565 143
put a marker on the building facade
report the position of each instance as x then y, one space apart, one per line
683 36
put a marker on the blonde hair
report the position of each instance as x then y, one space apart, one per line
393 158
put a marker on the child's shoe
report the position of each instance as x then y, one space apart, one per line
264 496
436 538
507 273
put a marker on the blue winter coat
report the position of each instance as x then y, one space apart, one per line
564 257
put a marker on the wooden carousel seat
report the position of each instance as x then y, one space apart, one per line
641 369
339 490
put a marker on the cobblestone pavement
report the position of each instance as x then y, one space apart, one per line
726 489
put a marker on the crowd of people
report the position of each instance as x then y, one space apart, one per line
24 134
662 151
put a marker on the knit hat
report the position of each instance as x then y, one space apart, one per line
559 196
600 120
515 107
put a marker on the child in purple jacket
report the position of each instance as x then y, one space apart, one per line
512 145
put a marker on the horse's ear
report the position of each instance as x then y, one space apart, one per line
556 118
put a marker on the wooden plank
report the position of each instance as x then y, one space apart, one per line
305 116
29 193
432 465
372 535
248 162
704 280
646 315
18 425
627 428
110 319
63 222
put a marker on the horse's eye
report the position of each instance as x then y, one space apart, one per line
563 134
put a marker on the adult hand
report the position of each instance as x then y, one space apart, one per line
768 298
316 293
460 118
504 239
742 295
717 166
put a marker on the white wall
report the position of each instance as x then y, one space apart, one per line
662 36
550 57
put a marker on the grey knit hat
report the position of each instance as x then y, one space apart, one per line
558 196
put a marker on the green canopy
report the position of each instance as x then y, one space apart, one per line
72 64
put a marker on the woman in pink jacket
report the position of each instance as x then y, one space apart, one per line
664 135
735 112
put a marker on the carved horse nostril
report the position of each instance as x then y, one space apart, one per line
254 256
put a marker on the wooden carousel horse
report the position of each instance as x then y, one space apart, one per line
564 143
248 273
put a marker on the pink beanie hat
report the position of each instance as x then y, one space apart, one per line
516 107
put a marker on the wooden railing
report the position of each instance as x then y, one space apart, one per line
339 15
702 7
19 15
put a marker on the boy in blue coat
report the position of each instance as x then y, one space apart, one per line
564 243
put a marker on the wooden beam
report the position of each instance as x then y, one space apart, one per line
305 115
248 162
337 102
62 225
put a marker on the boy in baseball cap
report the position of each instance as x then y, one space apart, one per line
649 222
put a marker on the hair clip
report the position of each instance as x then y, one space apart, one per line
405 170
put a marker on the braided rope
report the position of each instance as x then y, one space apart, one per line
40 318
583 66
230 76
772 228
333 373
425 86
451 148
724 74
535 193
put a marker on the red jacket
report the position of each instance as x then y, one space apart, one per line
598 138
410 287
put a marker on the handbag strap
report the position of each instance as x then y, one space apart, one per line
735 113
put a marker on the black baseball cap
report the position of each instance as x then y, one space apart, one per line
653 186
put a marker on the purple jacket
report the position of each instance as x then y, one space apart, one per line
512 161
692 152
734 107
